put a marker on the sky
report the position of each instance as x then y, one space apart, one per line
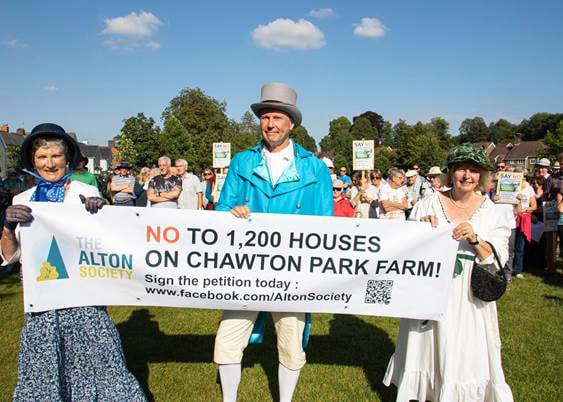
88 65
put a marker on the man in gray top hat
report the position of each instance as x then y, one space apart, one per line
276 176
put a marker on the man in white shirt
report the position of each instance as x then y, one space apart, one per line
275 176
191 195
392 199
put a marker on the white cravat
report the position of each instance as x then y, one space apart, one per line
277 162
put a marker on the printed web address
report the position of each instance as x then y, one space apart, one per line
254 297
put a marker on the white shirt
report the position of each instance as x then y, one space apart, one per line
372 193
190 187
388 193
277 162
526 193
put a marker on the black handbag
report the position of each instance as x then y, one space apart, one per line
486 285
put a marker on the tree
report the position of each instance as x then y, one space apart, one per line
554 142
386 135
137 143
538 125
302 137
204 119
502 131
13 157
441 127
376 121
175 141
382 160
244 134
339 140
431 151
248 124
474 130
363 130
407 145
420 144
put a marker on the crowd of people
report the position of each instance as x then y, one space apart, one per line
393 195
456 359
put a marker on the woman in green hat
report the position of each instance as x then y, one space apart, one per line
457 359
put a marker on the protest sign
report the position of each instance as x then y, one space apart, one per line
362 152
508 187
550 216
218 186
185 258
221 154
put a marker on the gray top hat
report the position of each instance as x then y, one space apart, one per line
278 96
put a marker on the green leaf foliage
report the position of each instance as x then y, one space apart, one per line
363 130
387 138
537 126
175 141
554 142
502 131
421 144
474 130
383 160
137 143
339 140
13 156
245 134
302 137
205 121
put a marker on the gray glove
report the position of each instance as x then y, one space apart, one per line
92 204
16 214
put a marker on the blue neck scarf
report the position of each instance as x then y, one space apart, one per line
53 191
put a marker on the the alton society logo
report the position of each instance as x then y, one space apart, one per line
54 267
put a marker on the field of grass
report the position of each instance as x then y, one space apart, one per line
170 350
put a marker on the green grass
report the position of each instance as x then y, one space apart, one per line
170 350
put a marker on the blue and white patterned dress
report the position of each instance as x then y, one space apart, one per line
72 354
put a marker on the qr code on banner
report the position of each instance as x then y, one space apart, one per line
379 292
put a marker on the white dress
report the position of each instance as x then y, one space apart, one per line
457 359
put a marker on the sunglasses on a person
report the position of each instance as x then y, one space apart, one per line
208 174
376 178
337 189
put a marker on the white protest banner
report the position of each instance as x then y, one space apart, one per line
221 154
362 155
184 258
508 187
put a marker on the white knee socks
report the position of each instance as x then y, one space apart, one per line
287 382
230 379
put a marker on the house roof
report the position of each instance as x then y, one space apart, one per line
106 153
500 151
482 145
89 151
525 149
11 139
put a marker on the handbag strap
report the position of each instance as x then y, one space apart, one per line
502 274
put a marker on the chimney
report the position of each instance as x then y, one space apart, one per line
4 128
111 143
20 131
